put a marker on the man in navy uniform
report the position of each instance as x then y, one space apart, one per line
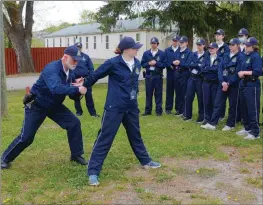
83 69
153 61
170 75
243 35
46 100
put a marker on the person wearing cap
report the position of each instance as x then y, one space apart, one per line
228 87
153 61
194 84
223 50
171 53
182 74
209 70
121 107
47 96
82 70
243 35
251 70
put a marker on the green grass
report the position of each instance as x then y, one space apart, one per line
43 174
256 182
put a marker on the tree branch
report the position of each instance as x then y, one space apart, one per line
7 25
29 21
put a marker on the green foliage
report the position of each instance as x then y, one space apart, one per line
52 28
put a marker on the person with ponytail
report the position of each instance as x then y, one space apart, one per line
121 107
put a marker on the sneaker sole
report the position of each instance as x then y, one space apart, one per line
149 167
97 184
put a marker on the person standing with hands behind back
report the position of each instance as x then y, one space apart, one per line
46 100
121 107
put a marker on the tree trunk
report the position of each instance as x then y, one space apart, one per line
23 52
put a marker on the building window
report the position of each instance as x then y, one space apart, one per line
95 42
60 42
121 37
47 43
68 41
53 42
74 40
87 42
138 37
107 42
80 39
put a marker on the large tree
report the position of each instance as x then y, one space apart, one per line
19 31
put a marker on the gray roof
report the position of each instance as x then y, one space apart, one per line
121 26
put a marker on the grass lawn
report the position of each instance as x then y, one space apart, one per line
199 166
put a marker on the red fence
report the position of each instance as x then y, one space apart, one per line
41 57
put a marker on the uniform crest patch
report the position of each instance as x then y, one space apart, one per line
234 60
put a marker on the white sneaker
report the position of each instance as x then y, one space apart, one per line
242 132
227 128
207 126
251 137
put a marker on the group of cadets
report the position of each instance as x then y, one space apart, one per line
220 72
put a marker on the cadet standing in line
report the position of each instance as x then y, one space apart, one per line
243 35
182 73
83 69
210 69
45 100
223 49
170 75
251 70
121 107
195 82
228 87
154 61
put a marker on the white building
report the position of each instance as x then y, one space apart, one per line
101 46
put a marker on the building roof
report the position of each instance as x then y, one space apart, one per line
121 26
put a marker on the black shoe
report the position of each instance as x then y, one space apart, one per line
79 160
204 122
199 121
95 116
5 165
178 114
187 119
79 113
158 114
168 112
145 114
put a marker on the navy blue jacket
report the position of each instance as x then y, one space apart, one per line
185 59
160 62
253 62
196 62
170 57
230 68
52 86
120 84
84 66
223 50
211 72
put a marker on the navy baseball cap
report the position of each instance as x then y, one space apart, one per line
176 38
220 32
78 44
183 39
234 41
128 42
251 41
200 41
154 40
243 31
74 52
213 45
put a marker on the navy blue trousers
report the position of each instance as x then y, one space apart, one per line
250 106
170 90
154 86
194 86
181 79
209 96
111 121
34 117
89 103
232 94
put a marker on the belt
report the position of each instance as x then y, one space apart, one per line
213 81
196 76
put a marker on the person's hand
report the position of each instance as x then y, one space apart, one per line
77 84
79 80
82 90
241 74
177 62
225 86
153 62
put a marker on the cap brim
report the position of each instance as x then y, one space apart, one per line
248 44
211 47
182 41
219 33
200 44
77 58
137 46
